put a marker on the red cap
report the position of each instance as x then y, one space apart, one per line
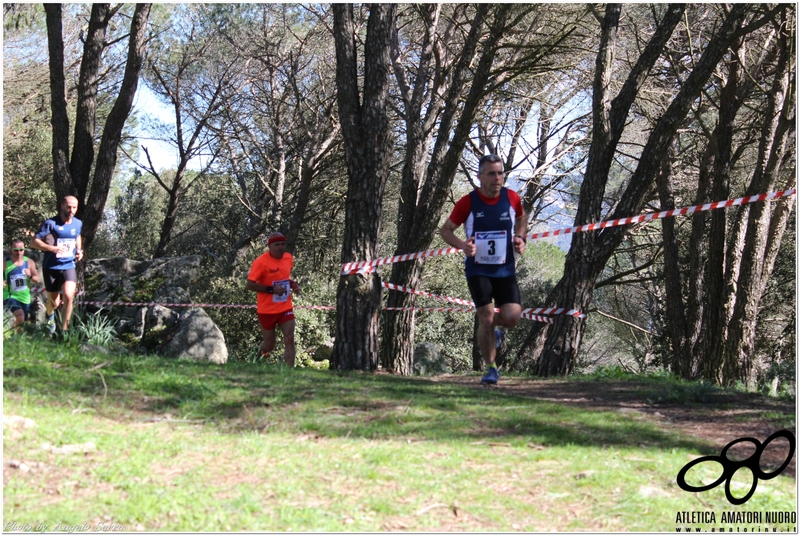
276 237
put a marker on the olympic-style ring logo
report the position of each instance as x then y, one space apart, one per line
730 466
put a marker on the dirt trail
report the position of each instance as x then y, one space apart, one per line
725 417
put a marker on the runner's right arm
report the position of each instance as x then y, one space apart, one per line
448 234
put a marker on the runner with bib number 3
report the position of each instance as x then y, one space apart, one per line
495 225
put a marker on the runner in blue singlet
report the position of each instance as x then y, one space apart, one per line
60 239
495 226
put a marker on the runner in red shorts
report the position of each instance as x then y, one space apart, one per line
270 278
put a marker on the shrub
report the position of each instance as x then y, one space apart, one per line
94 328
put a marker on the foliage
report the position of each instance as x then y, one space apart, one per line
664 387
8 323
538 270
27 163
682 393
96 328
240 326
131 230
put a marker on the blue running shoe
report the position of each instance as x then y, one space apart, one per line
51 323
499 335
491 377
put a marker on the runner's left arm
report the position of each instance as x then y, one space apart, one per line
79 248
520 233
295 286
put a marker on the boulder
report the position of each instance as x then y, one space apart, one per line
158 318
428 360
196 337
182 333
133 322
38 307
164 280
323 352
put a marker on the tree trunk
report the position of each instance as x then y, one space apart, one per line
697 252
590 251
367 141
778 124
112 132
397 342
58 104
565 334
83 144
424 192
675 312
715 328
171 215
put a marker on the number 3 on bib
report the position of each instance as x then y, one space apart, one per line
492 247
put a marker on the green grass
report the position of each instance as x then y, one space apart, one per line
182 446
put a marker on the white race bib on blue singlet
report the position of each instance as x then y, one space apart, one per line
492 247
69 243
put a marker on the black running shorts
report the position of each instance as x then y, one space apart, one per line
54 279
499 290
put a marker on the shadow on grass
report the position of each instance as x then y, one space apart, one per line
240 397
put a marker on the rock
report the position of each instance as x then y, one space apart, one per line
323 352
180 333
122 279
196 338
13 421
19 465
69 449
38 311
428 360
171 294
133 322
159 318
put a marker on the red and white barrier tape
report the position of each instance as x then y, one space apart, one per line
190 305
542 319
352 267
429 309
554 311
306 307
664 214
400 288
526 315
527 311
365 266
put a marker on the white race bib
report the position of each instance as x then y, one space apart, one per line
18 282
69 243
492 247
281 298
